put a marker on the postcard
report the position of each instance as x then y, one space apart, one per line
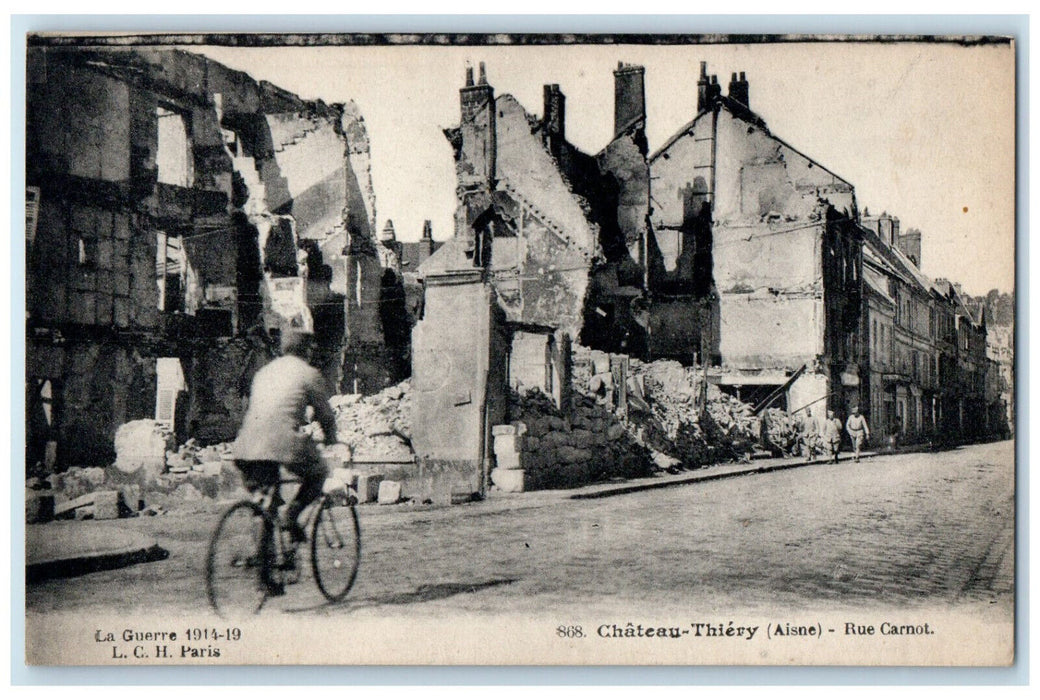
520 349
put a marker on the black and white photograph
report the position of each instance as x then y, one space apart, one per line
520 349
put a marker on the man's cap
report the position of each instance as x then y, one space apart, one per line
295 340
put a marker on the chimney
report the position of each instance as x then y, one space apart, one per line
629 96
885 228
426 249
714 90
553 111
910 244
388 234
738 89
477 105
703 85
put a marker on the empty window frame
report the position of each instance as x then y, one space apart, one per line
174 161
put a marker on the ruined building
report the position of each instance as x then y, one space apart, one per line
763 241
549 248
179 213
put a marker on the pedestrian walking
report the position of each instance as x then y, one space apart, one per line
810 436
858 430
832 436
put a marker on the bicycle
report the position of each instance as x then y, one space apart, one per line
250 557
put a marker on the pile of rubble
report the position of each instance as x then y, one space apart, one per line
780 433
375 428
585 445
674 412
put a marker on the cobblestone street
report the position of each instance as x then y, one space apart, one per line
908 530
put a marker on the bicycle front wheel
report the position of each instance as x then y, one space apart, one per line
335 549
235 561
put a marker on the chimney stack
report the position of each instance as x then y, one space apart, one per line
738 89
553 111
477 104
427 230
629 96
910 244
714 90
703 88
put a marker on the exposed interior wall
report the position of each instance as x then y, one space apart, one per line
758 176
163 173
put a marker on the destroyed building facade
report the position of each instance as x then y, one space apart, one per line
727 249
178 214
549 249
763 240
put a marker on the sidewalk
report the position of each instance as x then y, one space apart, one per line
711 473
62 548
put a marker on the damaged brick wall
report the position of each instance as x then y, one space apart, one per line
177 198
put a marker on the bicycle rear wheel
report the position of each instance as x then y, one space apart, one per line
335 548
235 561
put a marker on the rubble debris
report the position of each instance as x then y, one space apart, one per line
99 505
682 420
375 428
142 444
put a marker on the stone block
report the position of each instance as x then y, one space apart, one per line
573 455
508 443
142 444
106 505
508 480
39 505
600 362
556 438
108 500
84 512
389 492
505 429
537 428
531 444
508 460
368 487
615 432
556 423
580 437
131 497
210 468
187 492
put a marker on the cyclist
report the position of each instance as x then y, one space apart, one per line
272 432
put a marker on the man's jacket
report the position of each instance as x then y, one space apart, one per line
282 391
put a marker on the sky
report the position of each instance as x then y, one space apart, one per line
923 131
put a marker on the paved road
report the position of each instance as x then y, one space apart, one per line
904 530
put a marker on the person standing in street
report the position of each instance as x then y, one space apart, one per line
857 428
810 435
832 436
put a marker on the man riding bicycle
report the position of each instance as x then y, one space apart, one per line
272 431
